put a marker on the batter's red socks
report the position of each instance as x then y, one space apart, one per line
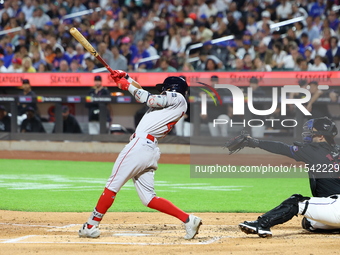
165 206
104 203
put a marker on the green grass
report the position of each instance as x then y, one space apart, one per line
67 186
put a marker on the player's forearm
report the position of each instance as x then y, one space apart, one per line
133 87
154 101
275 147
133 83
141 95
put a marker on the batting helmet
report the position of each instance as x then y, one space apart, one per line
319 126
173 83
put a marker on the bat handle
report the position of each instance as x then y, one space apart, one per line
110 70
105 64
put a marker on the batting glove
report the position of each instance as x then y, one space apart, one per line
123 83
118 74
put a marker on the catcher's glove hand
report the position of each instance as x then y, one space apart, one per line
239 142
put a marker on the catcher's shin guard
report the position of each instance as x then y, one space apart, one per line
282 213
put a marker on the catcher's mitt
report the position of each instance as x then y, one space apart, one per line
237 143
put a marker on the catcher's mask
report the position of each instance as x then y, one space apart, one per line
319 126
173 83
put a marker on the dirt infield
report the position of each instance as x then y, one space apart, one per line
149 233
152 233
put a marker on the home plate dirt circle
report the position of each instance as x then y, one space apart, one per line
135 234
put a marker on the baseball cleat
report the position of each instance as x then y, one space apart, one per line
307 225
89 232
192 226
253 227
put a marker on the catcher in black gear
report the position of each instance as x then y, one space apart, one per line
322 211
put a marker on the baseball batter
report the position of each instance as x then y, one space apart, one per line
322 157
138 160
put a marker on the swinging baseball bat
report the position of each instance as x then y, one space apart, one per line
83 41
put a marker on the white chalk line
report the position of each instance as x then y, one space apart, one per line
16 240
210 241
68 226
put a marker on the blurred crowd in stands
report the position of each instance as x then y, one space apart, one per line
126 31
